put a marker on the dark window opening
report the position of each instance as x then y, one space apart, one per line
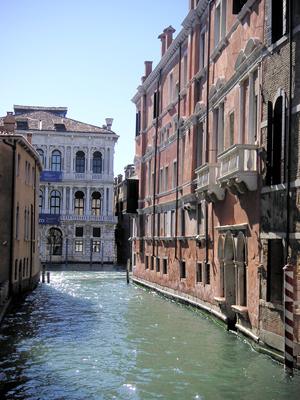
56 161
156 104
96 203
279 19
182 270
237 5
137 123
60 127
152 263
276 144
55 202
157 264
22 125
199 273
207 274
275 270
165 266
96 246
96 232
79 231
97 163
80 162
147 262
79 203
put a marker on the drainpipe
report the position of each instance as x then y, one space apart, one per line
155 161
13 185
177 153
207 129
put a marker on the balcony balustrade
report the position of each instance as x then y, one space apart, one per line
93 218
207 185
238 168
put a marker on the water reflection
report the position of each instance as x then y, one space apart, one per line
90 336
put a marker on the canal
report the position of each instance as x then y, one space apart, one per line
89 336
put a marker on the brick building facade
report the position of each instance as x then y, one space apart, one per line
201 157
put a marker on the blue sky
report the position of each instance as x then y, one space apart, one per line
86 55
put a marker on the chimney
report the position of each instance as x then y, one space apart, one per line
29 138
169 36
9 122
109 122
148 68
192 4
162 38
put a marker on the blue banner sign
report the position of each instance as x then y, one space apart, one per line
51 176
49 219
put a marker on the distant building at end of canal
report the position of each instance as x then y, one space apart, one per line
20 169
125 195
217 158
76 218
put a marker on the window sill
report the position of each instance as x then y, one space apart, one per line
242 310
220 300
274 46
276 306
218 49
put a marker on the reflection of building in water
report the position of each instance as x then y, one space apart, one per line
76 191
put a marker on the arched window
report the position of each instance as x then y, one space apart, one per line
56 160
79 203
55 201
96 203
41 201
97 163
80 162
55 241
41 154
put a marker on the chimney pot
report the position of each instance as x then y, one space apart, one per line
109 122
169 35
162 38
148 68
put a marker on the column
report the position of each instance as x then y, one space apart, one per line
111 161
88 201
64 200
104 201
71 166
108 161
71 207
46 207
89 160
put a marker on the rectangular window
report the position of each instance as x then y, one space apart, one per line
166 178
237 5
96 232
199 272
137 123
231 128
171 88
174 183
79 246
182 270
155 104
165 266
152 263
79 231
200 218
220 22
182 222
173 223
147 262
207 273
199 145
185 70
96 246
157 264
275 271
161 183
202 50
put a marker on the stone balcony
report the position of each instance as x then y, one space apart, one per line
207 185
238 168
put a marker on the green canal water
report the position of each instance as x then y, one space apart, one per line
89 336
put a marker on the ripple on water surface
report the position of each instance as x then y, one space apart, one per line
88 335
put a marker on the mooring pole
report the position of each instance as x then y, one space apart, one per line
48 277
288 318
127 271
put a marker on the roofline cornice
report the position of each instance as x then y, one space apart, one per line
180 38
